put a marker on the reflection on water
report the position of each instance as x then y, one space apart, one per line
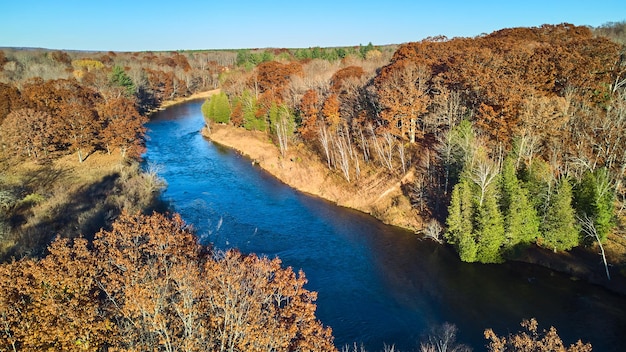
377 284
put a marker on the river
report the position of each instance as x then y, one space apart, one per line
376 284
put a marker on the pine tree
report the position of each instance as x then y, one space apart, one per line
120 78
460 227
594 197
217 108
521 222
538 180
559 227
489 230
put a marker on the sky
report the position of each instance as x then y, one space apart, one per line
138 25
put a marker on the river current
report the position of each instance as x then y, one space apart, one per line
376 284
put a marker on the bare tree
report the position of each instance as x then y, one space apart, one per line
284 126
433 230
443 339
364 143
447 112
389 144
341 142
590 231
325 140
378 147
402 154
483 174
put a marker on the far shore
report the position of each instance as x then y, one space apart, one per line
194 96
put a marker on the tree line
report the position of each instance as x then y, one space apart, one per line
58 117
55 102
522 113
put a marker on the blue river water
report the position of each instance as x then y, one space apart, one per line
376 284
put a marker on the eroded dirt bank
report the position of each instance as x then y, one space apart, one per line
374 193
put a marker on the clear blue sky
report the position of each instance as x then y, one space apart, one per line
187 24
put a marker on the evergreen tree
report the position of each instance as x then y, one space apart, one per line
521 222
217 108
538 180
489 230
249 106
475 223
559 227
594 197
460 231
363 50
120 78
243 57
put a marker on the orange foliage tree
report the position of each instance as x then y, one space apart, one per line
123 126
272 78
10 99
147 285
63 116
403 92
308 111
27 133
531 340
52 304
495 73
344 74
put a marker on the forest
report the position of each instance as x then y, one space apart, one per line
515 137
515 140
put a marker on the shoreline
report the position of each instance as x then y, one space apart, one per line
384 200
378 195
198 95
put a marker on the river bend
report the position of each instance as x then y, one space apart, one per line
376 284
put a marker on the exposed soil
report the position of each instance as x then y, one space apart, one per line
375 193
194 96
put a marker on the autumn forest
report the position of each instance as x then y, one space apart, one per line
509 146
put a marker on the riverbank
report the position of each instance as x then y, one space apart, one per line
194 96
381 196
375 193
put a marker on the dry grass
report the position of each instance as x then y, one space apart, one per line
67 198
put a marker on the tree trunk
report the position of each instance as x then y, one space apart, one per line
412 130
590 231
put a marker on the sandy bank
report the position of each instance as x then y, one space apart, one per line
198 95
375 193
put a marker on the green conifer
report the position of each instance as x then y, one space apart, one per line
521 222
460 226
489 230
119 78
559 228
594 197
